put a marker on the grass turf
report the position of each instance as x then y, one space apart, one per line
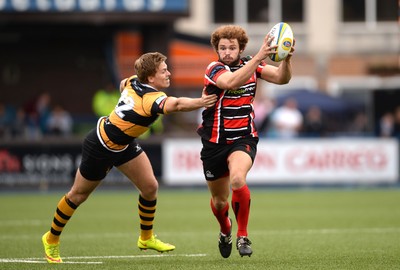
290 229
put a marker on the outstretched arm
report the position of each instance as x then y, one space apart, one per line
185 104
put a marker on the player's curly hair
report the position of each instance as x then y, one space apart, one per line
229 32
147 65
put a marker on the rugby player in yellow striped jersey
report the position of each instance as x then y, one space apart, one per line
113 144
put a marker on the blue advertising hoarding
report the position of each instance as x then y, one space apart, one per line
49 6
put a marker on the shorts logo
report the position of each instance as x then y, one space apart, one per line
248 148
209 174
137 148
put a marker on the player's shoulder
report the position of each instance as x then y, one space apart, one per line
154 95
216 67
215 64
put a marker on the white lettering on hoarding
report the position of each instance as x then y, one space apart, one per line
83 5
109 5
64 5
43 5
45 164
133 5
20 5
156 5
89 5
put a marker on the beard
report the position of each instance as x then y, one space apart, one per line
230 61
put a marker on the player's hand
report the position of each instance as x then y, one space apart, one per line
208 100
122 85
291 51
266 48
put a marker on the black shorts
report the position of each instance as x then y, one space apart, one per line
97 161
215 156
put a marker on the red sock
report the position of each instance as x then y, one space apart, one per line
241 208
222 217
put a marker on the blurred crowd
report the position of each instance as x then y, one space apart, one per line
288 121
35 119
40 117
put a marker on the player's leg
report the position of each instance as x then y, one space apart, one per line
66 207
239 164
219 190
140 172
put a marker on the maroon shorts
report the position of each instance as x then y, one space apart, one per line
215 156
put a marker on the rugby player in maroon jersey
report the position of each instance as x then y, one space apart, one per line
228 132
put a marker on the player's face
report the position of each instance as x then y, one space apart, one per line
228 51
161 79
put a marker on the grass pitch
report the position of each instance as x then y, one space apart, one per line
290 229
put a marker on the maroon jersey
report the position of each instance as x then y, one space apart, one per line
232 116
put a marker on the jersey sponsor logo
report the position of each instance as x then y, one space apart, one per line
240 91
161 101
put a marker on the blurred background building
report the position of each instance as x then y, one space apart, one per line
349 50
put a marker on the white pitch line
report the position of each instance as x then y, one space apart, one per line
22 222
42 260
330 231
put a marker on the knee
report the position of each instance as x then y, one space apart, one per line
237 181
77 198
149 192
219 202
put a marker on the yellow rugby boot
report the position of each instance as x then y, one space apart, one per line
52 251
154 243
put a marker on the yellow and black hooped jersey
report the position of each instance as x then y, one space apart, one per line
138 107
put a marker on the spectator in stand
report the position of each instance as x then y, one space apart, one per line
287 120
18 126
386 125
60 122
359 124
37 113
396 124
313 122
4 121
263 108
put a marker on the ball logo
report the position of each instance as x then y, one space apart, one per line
286 44
283 37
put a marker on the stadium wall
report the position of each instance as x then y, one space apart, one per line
52 165
176 162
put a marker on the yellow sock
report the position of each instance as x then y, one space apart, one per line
65 209
147 210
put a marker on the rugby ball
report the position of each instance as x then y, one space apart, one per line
283 37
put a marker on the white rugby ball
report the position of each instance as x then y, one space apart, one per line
283 37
